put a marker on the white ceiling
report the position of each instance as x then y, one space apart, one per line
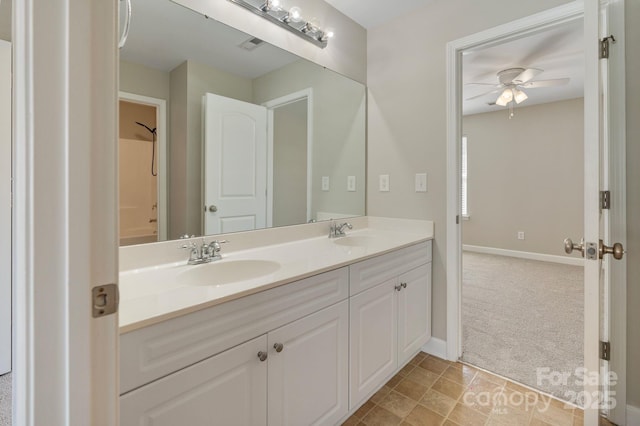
557 51
370 13
164 34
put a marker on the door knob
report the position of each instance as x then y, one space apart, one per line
616 250
570 246
213 208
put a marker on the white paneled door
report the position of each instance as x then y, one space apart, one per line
5 207
235 166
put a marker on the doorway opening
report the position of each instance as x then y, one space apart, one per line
522 194
290 143
610 157
142 169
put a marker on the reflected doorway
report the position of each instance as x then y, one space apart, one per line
141 170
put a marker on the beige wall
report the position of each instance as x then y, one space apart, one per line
406 75
632 16
178 154
145 81
525 174
346 52
338 131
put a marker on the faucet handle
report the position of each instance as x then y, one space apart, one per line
214 247
190 245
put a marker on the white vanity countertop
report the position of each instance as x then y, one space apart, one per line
153 293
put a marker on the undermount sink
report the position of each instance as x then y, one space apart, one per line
355 240
227 272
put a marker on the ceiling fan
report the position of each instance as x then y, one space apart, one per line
512 81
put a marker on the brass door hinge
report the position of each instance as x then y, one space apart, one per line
604 46
605 351
605 200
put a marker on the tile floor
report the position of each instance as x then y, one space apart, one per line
431 391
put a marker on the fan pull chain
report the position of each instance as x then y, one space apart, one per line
510 110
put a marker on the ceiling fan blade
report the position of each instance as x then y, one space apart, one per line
484 94
526 75
545 83
483 84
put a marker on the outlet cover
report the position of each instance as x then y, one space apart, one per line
384 183
421 182
325 183
351 183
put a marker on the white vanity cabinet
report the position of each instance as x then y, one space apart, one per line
390 316
304 353
174 372
227 389
308 369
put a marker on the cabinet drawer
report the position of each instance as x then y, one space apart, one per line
155 351
371 272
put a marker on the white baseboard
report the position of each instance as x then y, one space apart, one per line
575 261
436 347
633 415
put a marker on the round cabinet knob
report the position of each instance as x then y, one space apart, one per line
278 347
404 285
262 356
213 208
398 287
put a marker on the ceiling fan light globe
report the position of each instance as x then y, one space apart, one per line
519 96
505 97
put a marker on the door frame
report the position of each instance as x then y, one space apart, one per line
65 229
499 34
271 106
161 140
5 211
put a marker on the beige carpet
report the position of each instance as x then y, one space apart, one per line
5 400
519 315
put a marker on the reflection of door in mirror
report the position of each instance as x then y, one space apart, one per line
138 174
290 164
235 167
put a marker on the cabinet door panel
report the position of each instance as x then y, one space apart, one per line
308 379
373 340
414 311
227 390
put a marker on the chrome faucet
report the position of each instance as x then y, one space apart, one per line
204 253
336 230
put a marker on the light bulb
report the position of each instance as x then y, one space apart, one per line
329 33
295 14
505 97
519 96
275 4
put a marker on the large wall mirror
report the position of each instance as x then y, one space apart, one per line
221 132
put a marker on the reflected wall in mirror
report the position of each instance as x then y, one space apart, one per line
305 162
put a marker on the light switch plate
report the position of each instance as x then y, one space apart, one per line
421 182
384 183
351 183
325 183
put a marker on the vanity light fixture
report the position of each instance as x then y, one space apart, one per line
291 20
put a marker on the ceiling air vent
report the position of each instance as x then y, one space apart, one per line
251 44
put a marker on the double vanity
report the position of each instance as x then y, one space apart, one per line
290 327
